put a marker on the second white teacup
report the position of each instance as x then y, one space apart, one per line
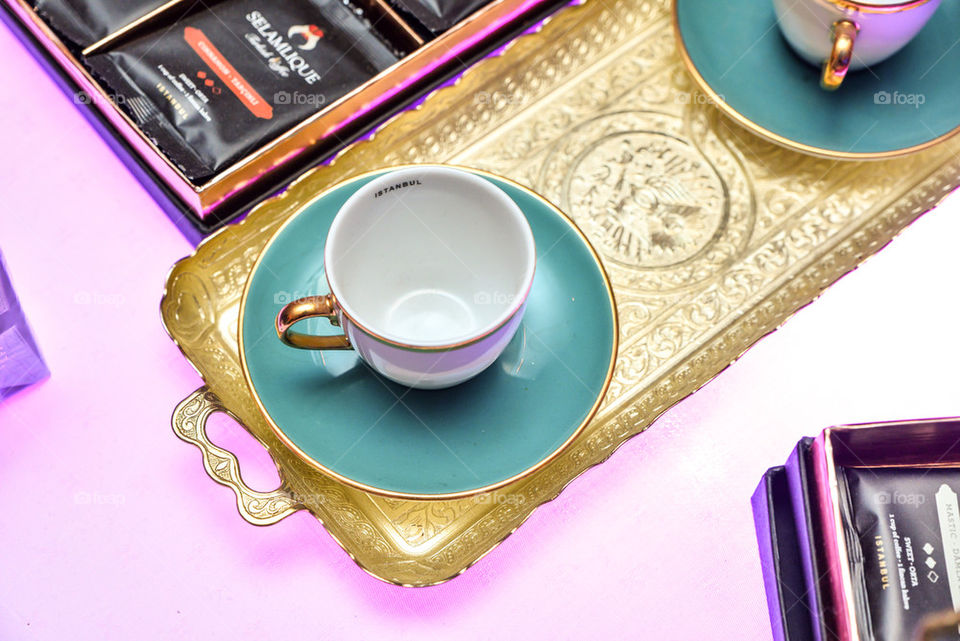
429 268
846 35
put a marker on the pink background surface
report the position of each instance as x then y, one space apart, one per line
109 527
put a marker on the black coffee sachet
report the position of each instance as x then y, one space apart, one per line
226 80
84 22
902 529
439 15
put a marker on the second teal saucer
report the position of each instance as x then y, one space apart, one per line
737 55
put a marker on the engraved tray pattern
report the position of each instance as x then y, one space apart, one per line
712 238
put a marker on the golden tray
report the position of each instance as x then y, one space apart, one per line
711 236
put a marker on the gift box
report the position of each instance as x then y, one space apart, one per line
915 535
21 364
787 519
860 530
780 556
425 57
808 521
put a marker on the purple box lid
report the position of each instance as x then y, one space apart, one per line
802 484
20 361
778 543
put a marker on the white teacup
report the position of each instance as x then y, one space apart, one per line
845 35
429 268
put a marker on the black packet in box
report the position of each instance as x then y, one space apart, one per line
82 23
902 529
438 15
226 80
892 538
20 361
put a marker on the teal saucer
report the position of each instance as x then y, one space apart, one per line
737 55
350 423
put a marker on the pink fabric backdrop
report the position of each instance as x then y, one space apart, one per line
110 529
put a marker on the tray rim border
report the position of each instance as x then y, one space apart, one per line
850 251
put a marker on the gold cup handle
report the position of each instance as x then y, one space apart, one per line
190 424
310 307
836 66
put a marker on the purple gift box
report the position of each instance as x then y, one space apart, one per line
811 541
20 361
779 545
793 556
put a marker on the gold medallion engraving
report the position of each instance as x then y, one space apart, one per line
637 189
663 214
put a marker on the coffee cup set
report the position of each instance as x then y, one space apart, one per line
428 332
431 331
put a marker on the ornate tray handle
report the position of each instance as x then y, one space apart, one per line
190 424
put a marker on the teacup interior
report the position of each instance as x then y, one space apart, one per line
430 256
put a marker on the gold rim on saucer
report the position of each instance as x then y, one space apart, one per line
453 495
753 127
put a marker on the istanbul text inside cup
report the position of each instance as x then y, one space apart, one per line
428 268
